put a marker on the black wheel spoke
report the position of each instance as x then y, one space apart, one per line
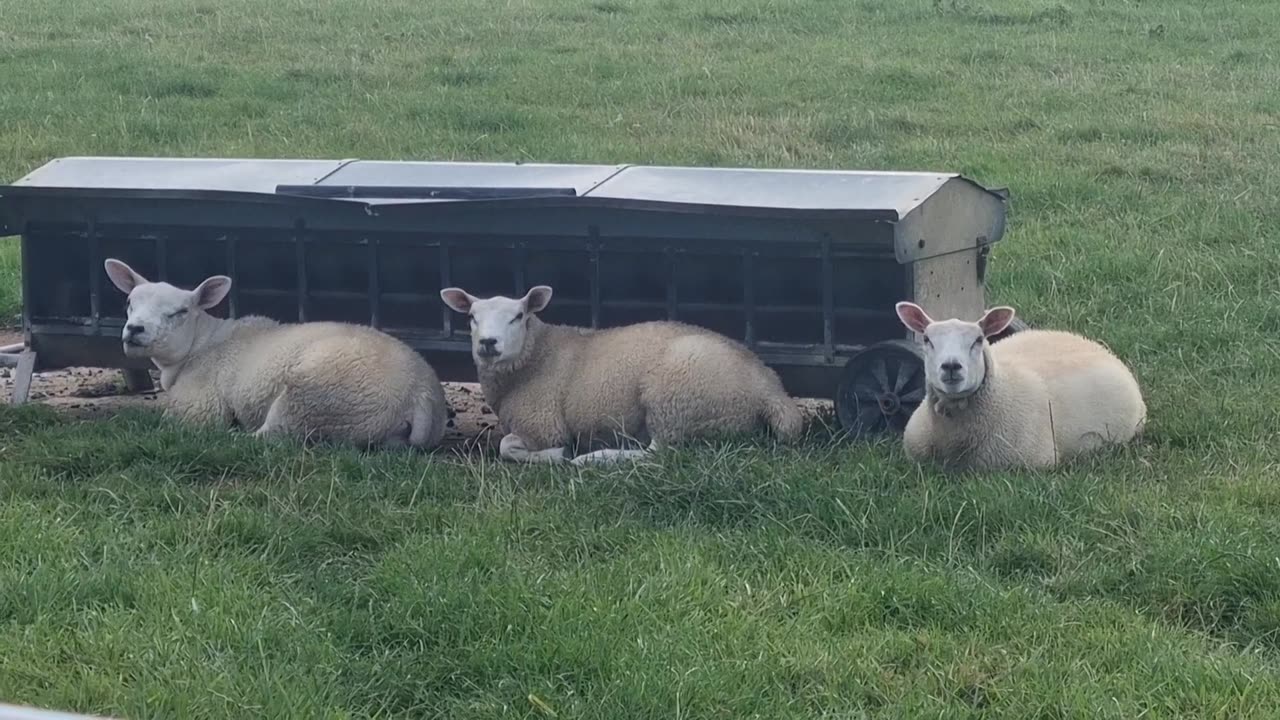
878 372
865 393
915 395
906 371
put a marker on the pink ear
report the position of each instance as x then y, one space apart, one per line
913 316
995 320
123 276
212 291
537 299
457 299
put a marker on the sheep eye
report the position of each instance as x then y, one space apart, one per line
472 318
519 316
927 341
178 313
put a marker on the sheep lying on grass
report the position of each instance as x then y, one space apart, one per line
1035 399
317 381
654 383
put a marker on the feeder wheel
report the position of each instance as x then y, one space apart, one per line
879 388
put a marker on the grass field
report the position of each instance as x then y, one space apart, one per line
153 571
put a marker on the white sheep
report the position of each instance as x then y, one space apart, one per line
1033 400
328 381
651 384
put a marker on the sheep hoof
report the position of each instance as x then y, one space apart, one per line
605 457
512 448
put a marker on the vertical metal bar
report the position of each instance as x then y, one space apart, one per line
518 254
909 286
828 302
594 244
162 257
749 296
299 243
25 261
233 301
375 287
672 286
446 280
95 275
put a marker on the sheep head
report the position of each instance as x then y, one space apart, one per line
955 351
161 319
499 325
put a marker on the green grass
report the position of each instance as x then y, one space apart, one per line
149 570
10 279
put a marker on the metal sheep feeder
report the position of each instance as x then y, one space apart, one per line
802 266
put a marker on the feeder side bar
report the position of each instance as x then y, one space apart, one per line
233 301
519 250
300 255
594 243
749 296
446 280
375 289
95 282
672 291
162 257
25 263
828 301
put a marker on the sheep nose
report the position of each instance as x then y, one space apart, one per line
134 330
488 343
951 367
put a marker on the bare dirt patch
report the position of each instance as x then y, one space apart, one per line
96 393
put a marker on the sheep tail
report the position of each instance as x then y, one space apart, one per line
784 418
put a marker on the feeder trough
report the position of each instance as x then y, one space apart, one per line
804 267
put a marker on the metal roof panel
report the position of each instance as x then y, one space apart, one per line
140 173
831 190
582 178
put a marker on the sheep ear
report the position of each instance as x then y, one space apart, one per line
458 299
537 299
211 291
995 320
913 316
123 276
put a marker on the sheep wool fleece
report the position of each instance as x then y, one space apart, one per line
341 382
1049 396
654 381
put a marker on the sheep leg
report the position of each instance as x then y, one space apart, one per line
274 422
608 456
513 448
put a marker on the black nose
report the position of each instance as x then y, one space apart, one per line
134 329
488 343
951 367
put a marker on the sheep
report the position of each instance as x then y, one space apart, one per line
326 381
652 384
1033 400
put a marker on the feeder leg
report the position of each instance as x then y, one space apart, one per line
137 381
22 377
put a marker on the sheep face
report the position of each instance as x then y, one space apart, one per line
161 321
955 351
499 325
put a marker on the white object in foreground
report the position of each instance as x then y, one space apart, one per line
16 712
